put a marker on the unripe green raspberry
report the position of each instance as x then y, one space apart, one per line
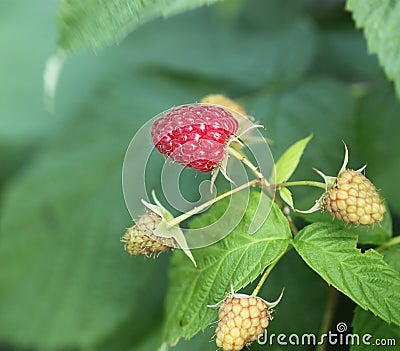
241 319
354 199
141 240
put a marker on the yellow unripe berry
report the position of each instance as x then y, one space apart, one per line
241 320
354 199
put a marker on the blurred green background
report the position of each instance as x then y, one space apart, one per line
298 66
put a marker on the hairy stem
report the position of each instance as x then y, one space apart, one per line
200 208
328 316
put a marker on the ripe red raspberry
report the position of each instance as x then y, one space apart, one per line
141 240
354 199
241 319
194 135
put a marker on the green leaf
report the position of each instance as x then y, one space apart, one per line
203 341
286 196
219 51
364 322
239 256
289 161
364 277
229 43
97 23
381 23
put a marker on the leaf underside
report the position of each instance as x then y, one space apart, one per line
98 23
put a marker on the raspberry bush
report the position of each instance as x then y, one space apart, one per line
230 123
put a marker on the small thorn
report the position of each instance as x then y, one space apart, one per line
346 158
232 291
254 126
235 139
273 304
313 209
213 179
153 194
362 169
328 180
217 304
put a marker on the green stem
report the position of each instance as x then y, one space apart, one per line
197 209
302 182
267 272
393 241
328 316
